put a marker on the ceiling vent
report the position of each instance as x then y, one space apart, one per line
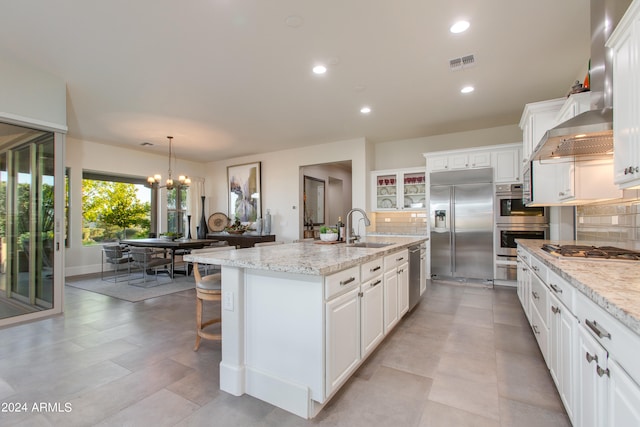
461 63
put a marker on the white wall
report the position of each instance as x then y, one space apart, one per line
281 182
407 153
31 97
92 156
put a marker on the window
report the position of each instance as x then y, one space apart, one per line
114 208
176 210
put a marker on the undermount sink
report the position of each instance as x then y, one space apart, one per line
370 244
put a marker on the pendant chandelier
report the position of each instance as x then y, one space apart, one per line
156 180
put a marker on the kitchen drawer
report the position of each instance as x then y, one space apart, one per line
342 281
539 298
395 259
622 344
539 268
541 332
371 269
524 255
562 290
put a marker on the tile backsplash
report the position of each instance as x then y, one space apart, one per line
399 223
617 221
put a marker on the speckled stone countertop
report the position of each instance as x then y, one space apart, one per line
306 257
613 285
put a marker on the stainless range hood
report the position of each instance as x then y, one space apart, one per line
590 133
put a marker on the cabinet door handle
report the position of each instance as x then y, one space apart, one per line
555 309
555 288
601 371
399 259
346 282
535 329
376 268
535 268
376 283
535 295
597 329
591 358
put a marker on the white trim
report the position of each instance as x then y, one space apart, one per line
14 119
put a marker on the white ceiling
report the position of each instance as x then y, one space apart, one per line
229 78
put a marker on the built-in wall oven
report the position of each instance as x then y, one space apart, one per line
514 220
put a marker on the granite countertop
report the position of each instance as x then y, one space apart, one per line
612 285
306 257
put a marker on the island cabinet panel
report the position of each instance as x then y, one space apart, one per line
343 338
390 300
372 310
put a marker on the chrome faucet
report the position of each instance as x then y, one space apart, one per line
367 223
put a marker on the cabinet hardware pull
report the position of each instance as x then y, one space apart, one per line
377 282
375 269
601 371
555 309
346 282
399 259
591 358
360 294
535 295
535 268
555 288
597 329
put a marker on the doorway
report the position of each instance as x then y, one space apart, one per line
337 179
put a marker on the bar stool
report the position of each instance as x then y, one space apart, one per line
208 288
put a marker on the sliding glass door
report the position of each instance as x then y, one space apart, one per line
27 189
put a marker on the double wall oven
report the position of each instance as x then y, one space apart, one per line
514 221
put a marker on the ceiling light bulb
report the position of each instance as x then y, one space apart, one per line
467 89
365 110
319 69
459 27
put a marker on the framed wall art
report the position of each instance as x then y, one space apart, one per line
243 183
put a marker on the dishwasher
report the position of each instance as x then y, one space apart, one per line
414 275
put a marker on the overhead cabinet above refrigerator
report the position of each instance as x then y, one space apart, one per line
461 220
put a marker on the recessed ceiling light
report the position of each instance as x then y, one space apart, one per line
467 89
365 110
319 69
459 27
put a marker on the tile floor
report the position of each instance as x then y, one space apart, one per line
463 357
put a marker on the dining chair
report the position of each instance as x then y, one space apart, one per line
208 288
145 260
115 255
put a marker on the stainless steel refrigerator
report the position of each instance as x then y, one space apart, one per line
461 222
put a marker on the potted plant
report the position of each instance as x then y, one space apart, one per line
328 234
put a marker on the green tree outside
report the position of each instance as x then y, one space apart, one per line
112 211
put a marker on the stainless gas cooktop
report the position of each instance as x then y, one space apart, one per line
592 252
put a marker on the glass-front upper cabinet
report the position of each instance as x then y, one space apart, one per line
398 189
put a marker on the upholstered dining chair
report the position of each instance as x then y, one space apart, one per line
208 288
145 260
115 255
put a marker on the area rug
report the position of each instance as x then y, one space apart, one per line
124 291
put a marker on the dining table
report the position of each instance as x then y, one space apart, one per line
171 245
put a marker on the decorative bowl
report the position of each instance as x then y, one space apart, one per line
328 237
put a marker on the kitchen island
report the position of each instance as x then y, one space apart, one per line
298 319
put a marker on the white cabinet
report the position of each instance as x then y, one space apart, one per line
586 181
423 269
624 398
505 160
342 338
591 382
537 118
506 165
372 314
390 300
398 189
625 49
524 282
396 283
562 344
